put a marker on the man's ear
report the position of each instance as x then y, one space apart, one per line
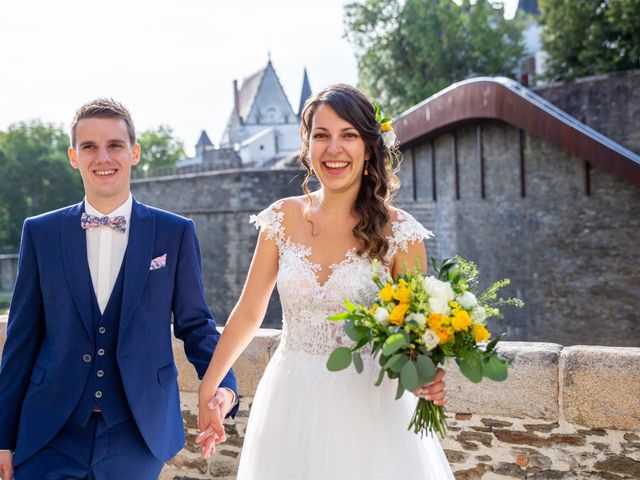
73 160
136 150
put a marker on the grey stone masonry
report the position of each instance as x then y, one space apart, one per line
566 234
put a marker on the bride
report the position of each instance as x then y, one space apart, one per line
307 422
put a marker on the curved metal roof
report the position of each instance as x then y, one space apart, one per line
504 99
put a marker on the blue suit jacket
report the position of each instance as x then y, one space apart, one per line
50 328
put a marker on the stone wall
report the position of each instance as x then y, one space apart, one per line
8 270
563 413
609 103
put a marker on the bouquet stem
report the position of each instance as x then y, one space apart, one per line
428 417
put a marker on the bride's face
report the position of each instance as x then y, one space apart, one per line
337 151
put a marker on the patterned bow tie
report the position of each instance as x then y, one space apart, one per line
118 223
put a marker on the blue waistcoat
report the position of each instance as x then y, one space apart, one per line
104 387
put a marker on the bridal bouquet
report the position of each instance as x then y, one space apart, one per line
417 322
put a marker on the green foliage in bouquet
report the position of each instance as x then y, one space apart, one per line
416 323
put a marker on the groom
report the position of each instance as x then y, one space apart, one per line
88 383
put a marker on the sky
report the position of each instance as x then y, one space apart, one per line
169 62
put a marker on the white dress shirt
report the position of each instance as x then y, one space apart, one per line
105 251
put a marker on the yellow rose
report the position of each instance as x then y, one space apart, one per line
444 334
386 294
435 321
480 333
460 321
397 314
403 294
385 127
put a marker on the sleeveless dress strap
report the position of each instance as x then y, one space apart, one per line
271 221
405 230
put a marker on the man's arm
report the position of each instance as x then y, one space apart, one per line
193 322
24 336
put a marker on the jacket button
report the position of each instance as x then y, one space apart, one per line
101 352
86 357
100 373
98 394
102 330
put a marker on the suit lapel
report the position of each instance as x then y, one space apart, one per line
137 261
76 267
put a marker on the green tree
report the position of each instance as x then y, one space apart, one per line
160 149
409 50
35 175
588 37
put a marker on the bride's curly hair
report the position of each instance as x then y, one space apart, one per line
380 185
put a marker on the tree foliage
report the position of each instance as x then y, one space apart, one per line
35 175
159 148
588 37
408 50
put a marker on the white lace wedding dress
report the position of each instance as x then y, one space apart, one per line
309 423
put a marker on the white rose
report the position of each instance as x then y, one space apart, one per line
419 318
467 300
439 305
382 316
478 314
436 288
430 339
440 294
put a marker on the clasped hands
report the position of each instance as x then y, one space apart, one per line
212 411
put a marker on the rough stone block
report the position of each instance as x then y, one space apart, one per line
534 370
3 331
601 386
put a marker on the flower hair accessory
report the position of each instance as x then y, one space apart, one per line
386 130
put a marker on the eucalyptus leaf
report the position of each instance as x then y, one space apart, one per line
426 369
392 360
380 377
471 367
399 391
354 332
339 359
409 376
357 362
394 343
495 368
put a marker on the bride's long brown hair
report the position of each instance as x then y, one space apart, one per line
380 185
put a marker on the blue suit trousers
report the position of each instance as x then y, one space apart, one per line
93 452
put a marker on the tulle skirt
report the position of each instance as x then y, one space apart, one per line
309 423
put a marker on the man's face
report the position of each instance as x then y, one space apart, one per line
104 156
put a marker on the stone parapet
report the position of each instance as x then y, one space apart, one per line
568 413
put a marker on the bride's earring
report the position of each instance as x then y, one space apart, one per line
366 168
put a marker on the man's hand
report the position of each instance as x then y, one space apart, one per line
6 465
435 390
212 413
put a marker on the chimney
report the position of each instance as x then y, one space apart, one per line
236 99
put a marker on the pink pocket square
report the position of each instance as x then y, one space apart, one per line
158 262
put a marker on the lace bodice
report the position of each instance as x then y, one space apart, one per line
306 303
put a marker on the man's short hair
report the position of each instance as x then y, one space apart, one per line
103 108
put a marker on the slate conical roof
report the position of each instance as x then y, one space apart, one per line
204 140
306 92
